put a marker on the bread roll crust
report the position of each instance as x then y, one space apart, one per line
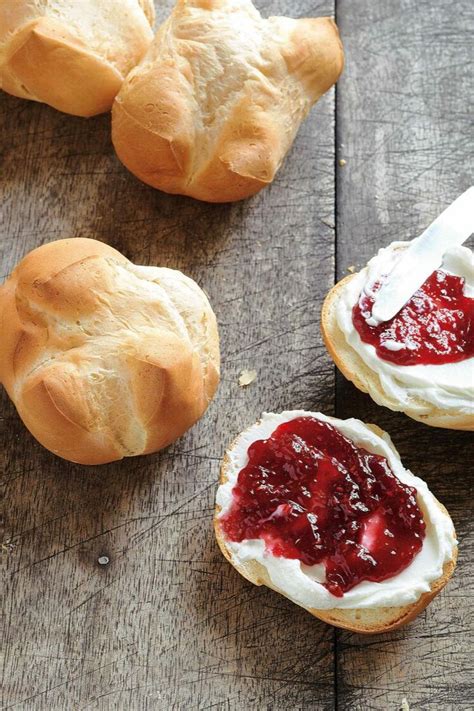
104 359
72 56
365 621
210 112
354 369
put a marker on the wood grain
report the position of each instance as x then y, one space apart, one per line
406 134
167 623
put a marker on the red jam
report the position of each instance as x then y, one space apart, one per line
435 326
312 494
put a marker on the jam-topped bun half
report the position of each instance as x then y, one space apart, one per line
102 358
72 54
421 362
323 511
215 104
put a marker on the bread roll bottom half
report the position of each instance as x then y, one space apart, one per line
306 531
102 358
439 394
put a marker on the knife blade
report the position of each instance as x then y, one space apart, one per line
424 254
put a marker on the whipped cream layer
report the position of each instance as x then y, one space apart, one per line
449 386
303 583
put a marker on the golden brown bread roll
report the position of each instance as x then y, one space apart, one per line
215 104
102 358
72 55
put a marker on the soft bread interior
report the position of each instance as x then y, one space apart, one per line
354 369
364 621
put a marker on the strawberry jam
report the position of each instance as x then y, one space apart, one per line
435 326
312 494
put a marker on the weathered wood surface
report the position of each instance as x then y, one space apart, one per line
168 624
405 129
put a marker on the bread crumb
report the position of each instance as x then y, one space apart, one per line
246 377
342 162
328 223
351 269
404 706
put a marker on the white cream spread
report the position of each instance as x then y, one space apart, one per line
419 388
302 583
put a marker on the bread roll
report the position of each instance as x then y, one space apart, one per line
436 395
104 359
413 588
70 54
215 104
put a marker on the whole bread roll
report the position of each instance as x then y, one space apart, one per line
104 359
216 102
72 55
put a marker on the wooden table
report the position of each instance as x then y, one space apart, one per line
167 623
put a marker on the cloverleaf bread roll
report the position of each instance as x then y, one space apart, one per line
421 362
323 511
70 54
104 359
215 104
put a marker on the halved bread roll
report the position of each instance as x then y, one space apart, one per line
436 395
260 567
215 104
104 359
72 55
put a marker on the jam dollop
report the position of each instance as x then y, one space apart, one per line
435 326
311 494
